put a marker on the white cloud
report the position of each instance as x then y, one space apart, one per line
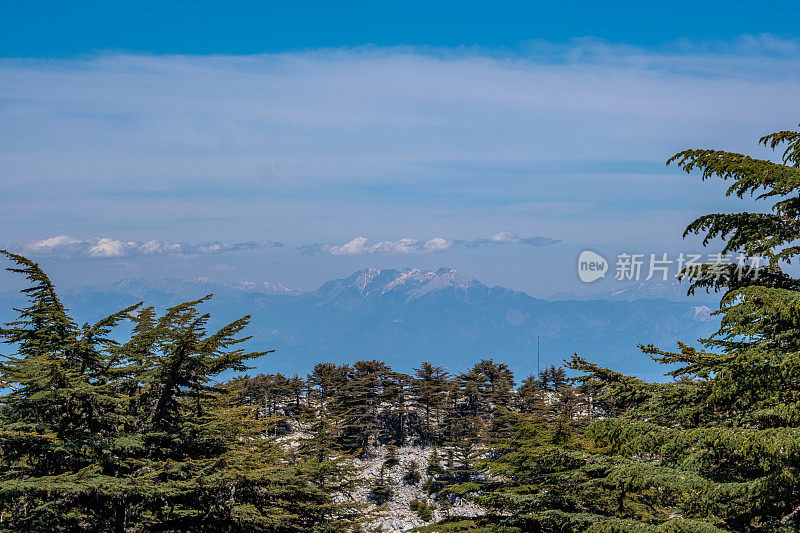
327 136
355 247
505 237
106 247
408 245
437 244
361 246
158 248
54 242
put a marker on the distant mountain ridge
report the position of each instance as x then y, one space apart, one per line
141 286
670 290
411 282
412 315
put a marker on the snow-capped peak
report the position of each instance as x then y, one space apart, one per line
267 287
365 277
411 282
403 276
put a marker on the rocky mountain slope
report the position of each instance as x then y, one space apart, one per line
408 316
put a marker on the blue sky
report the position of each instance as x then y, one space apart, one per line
301 142
58 29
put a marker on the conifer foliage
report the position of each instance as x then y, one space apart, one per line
716 449
100 435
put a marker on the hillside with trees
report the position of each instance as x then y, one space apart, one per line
104 428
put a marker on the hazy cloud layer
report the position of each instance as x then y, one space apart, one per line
362 245
105 247
508 237
325 145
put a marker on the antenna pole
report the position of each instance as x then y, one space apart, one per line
537 356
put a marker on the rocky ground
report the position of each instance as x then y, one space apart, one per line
396 514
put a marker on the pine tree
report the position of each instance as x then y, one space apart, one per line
101 436
429 390
716 449
531 396
498 381
360 401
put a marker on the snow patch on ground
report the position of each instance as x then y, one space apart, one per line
397 514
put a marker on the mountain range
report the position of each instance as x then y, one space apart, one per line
408 316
